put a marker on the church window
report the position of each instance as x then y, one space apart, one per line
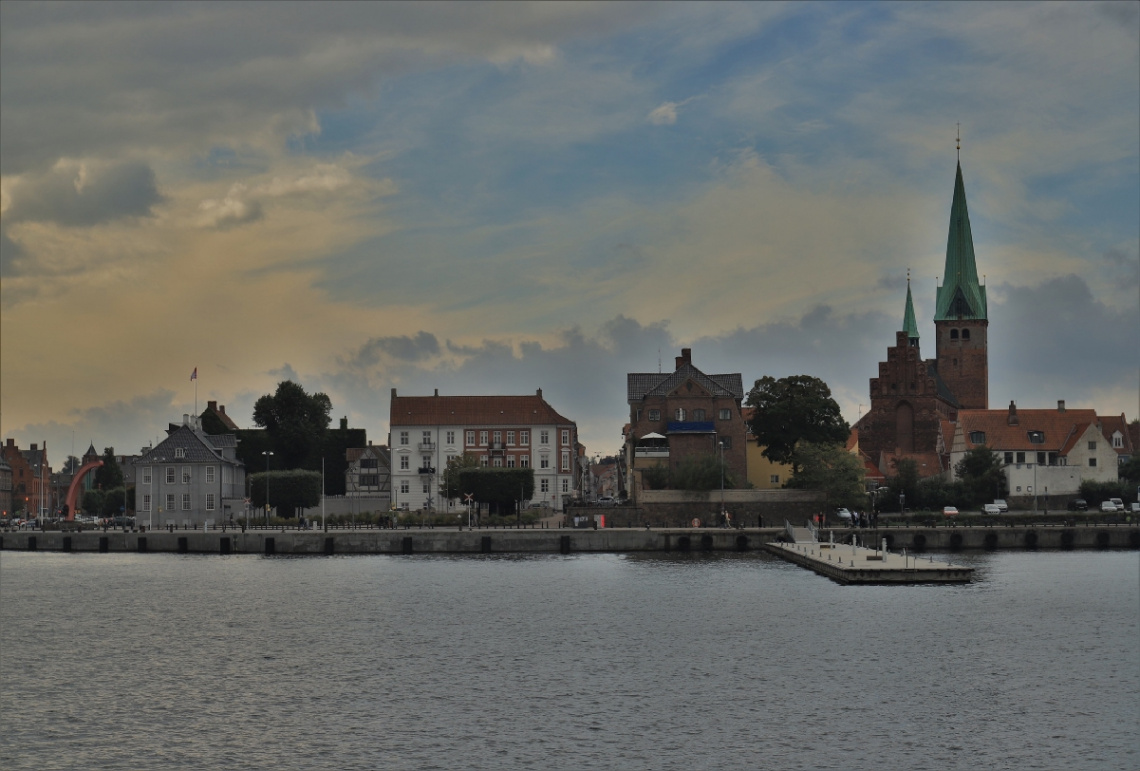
965 334
953 334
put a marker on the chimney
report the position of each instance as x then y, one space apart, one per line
34 446
686 357
344 423
185 418
538 392
437 392
1012 419
212 406
1060 405
393 393
222 409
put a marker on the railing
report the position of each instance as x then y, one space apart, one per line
791 531
426 470
429 446
813 530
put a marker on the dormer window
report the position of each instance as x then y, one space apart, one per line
977 437
179 452
1036 437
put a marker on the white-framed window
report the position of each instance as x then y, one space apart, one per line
404 488
483 461
470 438
566 460
170 501
726 414
510 437
185 475
427 487
451 437
565 485
498 437
510 461
524 461
427 437
146 503
654 416
774 479
498 463
404 438
186 501
545 485
565 437
405 462
544 461
524 438
209 501
544 437
482 438
679 414
170 475
1117 441
146 475
698 415
179 452
426 461
210 472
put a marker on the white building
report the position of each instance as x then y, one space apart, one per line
499 431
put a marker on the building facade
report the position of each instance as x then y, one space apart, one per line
189 479
425 432
681 415
369 473
31 478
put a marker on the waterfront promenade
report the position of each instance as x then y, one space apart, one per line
916 540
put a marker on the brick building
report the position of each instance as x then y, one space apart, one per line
31 477
685 413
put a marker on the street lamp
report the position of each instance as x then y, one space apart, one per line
722 511
267 454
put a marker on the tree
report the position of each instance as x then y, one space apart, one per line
794 409
295 421
288 490
499 487
828 468
700 473
449 480
980 472
1130 472
109 475
904 483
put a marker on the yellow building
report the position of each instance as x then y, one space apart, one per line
763 474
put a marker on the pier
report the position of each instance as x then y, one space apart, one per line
849 564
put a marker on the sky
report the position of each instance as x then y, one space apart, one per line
495 198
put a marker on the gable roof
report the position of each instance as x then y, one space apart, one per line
473 411
1060 428
198 447
640 385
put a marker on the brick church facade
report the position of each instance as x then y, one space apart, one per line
915 401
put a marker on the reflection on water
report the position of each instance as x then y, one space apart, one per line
587 661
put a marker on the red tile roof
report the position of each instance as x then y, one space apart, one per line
474 411
1060 428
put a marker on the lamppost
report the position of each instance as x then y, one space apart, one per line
722 511
268 454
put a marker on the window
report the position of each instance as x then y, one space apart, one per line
524 438
726 414
405 462
483 438
185 475
544 461
679 414
544 437
483 461
1117 441
953 334
498 437
727 442
498 463
1008 458
1021 457
146 503
179 452
565 437
427 437
451 437
698 414
404 437
209 501
654 416
524 461
510 437
774 479
1041 458
566 460
510 461
1092 446
146 475
545 485
404 487
965 334
170 475
427 487
186 501
426 461
565 485
170 502
1092 462
1036 437
368 463
369 480
977 437
470 438
210 472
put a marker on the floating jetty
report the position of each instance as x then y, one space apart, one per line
852 564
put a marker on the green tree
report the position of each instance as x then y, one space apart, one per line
980 472
92 502
110 474
296 423
655 477
499 487
288 490
699 473
212 424
794 409
904 483
1130 472
828 468
449 479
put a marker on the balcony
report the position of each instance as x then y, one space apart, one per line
427 446
426 470
651 452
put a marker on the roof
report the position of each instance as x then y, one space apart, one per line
1060 428
474 411
353 454
199 447
1110 424
640 385
960 295
910 325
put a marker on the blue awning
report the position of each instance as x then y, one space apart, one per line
692 427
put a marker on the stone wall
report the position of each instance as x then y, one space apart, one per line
678 508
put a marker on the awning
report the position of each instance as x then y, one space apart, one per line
652 435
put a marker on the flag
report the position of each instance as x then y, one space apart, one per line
194 374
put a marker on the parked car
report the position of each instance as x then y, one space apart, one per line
606 500
1136 508
991 509
1119 504
843 515
1108 506
1080 504
949 511
1001 504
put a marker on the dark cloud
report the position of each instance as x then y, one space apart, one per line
78 195
423 346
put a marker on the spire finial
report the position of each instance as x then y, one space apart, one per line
958 142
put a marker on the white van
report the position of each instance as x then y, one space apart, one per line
1119 504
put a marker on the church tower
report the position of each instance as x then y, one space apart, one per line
961 320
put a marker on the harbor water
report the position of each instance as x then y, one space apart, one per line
601 661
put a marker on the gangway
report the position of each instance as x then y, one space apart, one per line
801 534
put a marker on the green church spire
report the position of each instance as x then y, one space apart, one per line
960 296
910 326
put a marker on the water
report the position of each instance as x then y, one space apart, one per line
583 662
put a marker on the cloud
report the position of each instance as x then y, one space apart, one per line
83 193
423 346
665 114
230 211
